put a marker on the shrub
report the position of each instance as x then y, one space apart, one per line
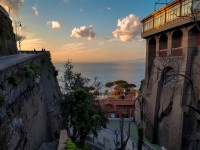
69 145
14 80
32 70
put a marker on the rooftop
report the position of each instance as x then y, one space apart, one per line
174 14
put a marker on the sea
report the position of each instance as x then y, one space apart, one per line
130 71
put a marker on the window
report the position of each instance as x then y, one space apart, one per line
159 19
148 24
163 41
152 45
173 13
177 37
186 5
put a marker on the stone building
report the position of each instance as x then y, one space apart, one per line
117 108
7 37
172 36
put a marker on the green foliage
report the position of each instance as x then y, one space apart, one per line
2 99
109 84
32 70
69 145
78 106
140 137
118 82
14 80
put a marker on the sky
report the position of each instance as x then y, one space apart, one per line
82 30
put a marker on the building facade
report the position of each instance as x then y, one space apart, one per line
172 36
7 37
117 108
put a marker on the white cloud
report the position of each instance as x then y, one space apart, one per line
129 28
108 8
54 24
35 10
83 32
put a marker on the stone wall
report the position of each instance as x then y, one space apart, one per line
7 37
29 111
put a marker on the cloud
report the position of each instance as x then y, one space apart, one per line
129 28
83 32
54 24
66 1
108 8
35 10
77 48
12 6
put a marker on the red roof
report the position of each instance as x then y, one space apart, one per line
116 102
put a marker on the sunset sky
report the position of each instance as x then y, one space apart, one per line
83 30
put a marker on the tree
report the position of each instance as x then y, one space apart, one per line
79 109
123 138
121 87
69 145
20 39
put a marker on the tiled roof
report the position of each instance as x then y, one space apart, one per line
116 102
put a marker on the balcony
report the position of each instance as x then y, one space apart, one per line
174 14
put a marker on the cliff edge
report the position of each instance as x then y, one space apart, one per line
29 103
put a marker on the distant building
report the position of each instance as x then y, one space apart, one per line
172 78
7 37
117 108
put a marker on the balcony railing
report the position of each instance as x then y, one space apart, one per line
172 14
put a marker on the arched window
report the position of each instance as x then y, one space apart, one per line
163 42
177 38
194 37
152 45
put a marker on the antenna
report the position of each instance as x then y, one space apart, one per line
161 2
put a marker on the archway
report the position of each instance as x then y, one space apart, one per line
177 38
177 43
163 41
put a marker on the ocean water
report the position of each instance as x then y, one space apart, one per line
132 72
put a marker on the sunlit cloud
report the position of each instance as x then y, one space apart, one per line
32 40
35 9
72 46
83 32
77 48
54 24
128 28
12 6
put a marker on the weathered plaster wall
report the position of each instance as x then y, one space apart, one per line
29 114
168 97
